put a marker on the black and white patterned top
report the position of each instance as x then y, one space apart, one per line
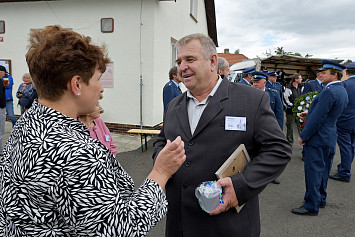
57 181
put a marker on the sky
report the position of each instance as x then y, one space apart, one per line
322 28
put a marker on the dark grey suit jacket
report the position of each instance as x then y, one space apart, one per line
209 147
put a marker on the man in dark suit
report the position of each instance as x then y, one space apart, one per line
313 85
346 129
213 118
171 88
246 80
319 137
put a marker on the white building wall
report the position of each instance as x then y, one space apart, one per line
173 21
139 45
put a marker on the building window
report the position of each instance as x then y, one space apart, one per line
173 53
193 9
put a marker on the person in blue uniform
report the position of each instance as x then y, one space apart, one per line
246 80
313 85
346 129
273 84
171 88
319 137
259 82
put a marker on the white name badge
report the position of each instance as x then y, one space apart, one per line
107 137
236 123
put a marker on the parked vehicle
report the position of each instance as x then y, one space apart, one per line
237 69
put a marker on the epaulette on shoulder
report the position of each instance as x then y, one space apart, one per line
270 89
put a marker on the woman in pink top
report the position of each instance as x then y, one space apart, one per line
98 129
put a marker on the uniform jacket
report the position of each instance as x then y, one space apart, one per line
320 126
312 86
170 91
276 105
346 121
209 147
245 82
276 86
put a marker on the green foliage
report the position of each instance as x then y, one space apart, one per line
302 104
237 51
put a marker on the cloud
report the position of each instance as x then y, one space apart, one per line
323 29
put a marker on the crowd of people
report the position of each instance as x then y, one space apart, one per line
59 174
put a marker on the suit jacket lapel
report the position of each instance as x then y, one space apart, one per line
214 106
183 118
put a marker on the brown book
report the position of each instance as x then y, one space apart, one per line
236 162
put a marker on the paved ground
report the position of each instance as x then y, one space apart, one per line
276 201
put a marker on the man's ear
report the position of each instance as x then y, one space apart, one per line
75 85
213 62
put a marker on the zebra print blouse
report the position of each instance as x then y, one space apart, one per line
57 181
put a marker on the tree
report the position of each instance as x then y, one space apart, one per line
280 51
237 51
267 54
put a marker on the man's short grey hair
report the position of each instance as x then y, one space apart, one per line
208 47
221 63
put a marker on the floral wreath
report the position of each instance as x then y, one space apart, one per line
302 104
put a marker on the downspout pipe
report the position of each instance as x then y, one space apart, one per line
140 69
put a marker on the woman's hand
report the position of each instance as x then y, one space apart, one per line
168 161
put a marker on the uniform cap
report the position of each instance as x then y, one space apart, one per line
327 64
273 73
258 75
248 70
350 67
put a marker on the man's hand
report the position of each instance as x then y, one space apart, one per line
229 197
302 143
303 115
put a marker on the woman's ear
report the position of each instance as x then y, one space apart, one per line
75 85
